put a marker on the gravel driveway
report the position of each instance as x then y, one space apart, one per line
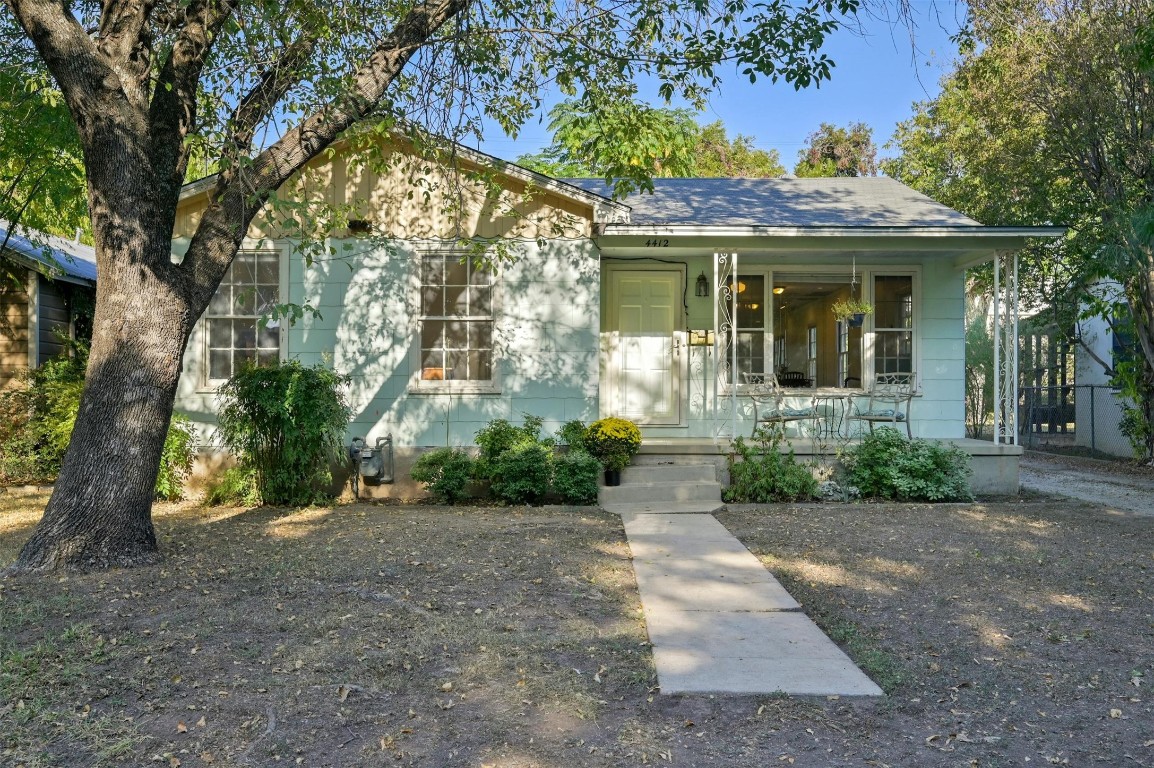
1116 487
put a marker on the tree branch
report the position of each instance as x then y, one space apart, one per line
172 113
242 189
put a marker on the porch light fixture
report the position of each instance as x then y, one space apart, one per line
702 288
778 290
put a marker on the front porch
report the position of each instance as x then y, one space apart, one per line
995 466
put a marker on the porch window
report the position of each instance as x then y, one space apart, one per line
456 319
237 328
748 324
893 324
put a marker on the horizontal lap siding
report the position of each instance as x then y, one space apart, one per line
54 322
13 322
940 411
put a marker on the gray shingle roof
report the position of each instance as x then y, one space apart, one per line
838 202
50 254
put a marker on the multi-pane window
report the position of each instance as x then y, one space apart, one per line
237 327
456 319
893 324
811 353
748 320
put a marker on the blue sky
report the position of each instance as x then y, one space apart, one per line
878 77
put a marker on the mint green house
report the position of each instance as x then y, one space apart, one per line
657 308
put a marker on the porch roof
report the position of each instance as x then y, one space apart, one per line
49 255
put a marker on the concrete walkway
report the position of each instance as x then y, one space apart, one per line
718 620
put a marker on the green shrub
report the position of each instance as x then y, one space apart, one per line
575 476
176 458
572 434
888 466
286 422
498 437
235 487
522 474
444 472
765 474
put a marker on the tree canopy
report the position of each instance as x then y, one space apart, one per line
834 151
257 89
661 142
1049 119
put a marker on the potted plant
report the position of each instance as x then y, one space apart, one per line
613 441
852 309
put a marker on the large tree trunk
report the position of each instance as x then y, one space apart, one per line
99 514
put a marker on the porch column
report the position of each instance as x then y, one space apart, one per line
725 366
1006 348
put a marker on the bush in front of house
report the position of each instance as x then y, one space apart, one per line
445 473
886 465
499 437
286 423
523 474
572 434
575 476
765 474
235 487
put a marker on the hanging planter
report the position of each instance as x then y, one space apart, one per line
851 310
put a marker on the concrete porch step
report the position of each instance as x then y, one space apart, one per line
667 508
631 493
668 473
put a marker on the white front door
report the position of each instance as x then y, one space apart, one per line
644 316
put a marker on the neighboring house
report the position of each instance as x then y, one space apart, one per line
608 308
1098 405
44 280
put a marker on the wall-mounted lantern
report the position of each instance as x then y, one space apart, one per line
702 285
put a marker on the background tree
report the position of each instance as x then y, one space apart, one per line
1048 119
41 168
833 151
663 142
257 89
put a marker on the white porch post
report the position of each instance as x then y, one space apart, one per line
724 314
1006 349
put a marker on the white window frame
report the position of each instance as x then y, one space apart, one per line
207 383
419 385
874 339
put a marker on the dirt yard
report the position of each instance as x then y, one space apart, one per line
434 636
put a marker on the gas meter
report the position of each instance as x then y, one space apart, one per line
374 464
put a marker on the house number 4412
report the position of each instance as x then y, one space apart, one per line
657 243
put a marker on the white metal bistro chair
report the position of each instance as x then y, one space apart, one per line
769 403
888 401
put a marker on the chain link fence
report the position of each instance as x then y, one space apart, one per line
1069 416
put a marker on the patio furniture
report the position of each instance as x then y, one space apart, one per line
888 401
769 403
793 379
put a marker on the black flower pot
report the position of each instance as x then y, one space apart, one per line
613 477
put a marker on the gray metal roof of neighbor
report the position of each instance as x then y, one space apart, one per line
49 254
854 202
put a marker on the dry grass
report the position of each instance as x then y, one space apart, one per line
438 636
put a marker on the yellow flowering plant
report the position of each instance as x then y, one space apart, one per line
613 441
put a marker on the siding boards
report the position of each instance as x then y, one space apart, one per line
13 321
55 319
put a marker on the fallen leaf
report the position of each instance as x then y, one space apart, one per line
201 722
181 727
1115 713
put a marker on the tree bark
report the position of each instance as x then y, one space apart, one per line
99 515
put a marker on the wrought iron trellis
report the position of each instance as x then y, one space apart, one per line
1006 348
724 321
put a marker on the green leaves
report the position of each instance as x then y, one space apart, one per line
286 423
